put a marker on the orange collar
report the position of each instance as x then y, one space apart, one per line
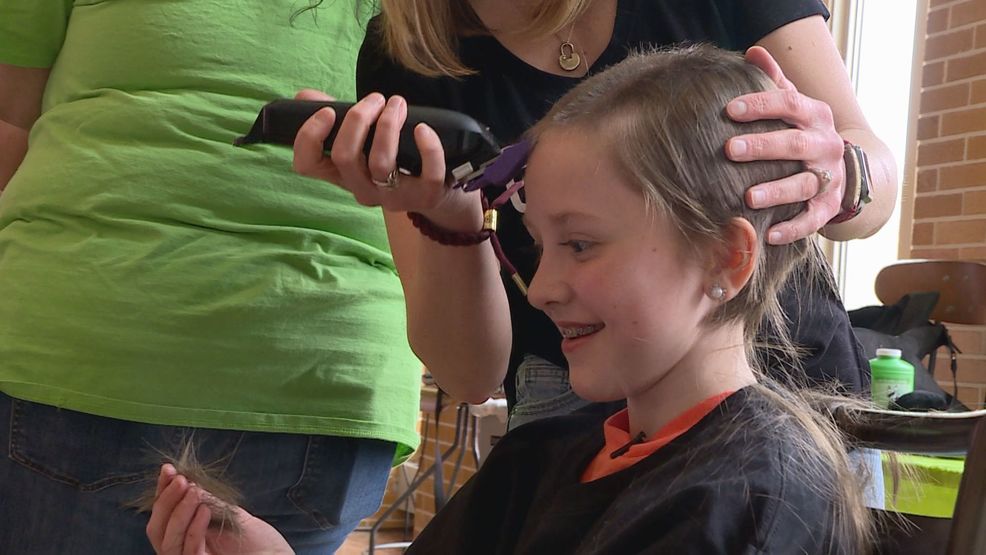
616 430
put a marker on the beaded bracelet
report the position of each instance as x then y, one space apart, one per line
448 237
444 236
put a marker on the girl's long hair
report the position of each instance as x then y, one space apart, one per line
661 116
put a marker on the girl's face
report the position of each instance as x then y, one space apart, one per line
611 276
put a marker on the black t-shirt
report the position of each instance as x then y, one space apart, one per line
734 483
509 96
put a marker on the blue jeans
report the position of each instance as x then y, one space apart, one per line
66 477
543 390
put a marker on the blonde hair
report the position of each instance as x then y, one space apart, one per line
423 35
661 117
222 497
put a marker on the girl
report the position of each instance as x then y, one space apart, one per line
657 276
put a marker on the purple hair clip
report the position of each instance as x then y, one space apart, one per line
502 170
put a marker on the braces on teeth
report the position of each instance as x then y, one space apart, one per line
570 333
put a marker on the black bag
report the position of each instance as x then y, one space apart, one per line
905 326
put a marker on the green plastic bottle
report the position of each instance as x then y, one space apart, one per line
891 377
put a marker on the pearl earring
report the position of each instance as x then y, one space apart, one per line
716 292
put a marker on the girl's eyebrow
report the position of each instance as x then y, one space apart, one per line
563 218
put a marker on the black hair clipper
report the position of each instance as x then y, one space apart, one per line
468 146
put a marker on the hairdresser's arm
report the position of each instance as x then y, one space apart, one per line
21 89
457 312
808 62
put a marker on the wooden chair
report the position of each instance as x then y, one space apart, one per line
960 284
930 433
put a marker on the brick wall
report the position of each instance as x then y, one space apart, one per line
950 197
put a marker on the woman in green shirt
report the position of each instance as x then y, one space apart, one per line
158 281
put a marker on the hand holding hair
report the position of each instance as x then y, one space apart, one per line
181 523
814 140
178 521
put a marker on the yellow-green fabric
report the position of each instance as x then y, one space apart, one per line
151 271
929 486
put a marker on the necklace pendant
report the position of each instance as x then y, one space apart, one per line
568 58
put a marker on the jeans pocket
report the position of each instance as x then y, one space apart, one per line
538 379
543 390
343 479
82 450
544 387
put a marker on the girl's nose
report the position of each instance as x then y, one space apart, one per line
547 287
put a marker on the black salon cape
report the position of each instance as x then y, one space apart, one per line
509 96
732 484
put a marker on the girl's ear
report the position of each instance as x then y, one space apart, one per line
737 261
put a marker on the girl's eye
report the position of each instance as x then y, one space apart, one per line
576 245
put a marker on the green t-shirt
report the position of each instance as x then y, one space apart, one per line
151 271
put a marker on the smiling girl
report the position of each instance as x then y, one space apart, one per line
657 276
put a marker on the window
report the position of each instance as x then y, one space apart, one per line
880 37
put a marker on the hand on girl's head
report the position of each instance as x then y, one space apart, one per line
814 140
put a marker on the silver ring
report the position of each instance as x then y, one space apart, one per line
393 180
824 178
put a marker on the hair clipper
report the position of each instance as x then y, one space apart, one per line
469 146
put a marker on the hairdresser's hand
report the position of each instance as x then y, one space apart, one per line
179 524
350 168
815 142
